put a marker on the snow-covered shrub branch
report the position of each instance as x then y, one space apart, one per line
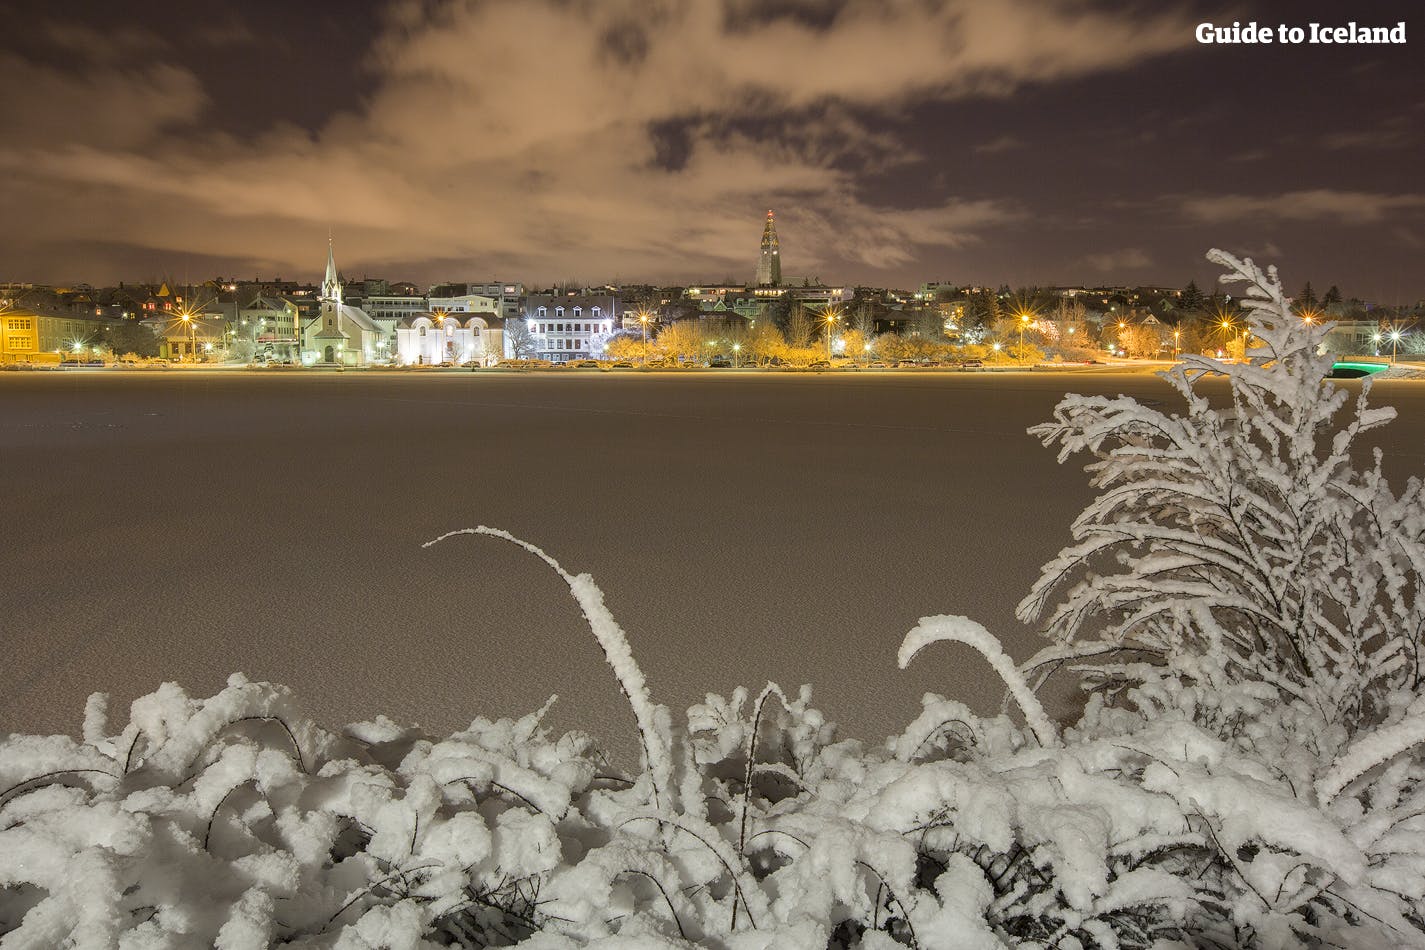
1242 602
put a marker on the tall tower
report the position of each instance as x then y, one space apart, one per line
331 284
769 265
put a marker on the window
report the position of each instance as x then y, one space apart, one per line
543 312
423 331
559 311
596 312
578 312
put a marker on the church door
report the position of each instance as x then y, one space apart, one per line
331 355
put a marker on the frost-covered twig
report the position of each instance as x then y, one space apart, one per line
652 719
964 630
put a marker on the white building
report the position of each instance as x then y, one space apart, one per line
445 339
564 328
341 335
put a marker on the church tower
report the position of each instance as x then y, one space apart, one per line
331 284
769 265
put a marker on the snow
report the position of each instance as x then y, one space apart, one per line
1240 604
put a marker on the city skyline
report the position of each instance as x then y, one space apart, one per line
1015 143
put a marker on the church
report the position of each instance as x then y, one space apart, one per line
342 335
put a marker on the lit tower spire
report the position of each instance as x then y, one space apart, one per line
769 265
331 284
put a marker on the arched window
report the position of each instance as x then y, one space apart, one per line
578 312
543 311
559 311
423 331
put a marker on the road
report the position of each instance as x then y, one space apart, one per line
743 527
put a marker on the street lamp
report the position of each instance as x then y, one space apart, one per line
1023 322
831 317
192 337
1375 338
1394 341
1177 335
736 349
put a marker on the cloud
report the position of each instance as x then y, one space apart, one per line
1344 207
558 138
1129 258
1004 143
106 105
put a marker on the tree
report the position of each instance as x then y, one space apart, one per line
1239 544
1332 298
1192 300
627 346
131 336
854 345
1307 297
764 342
801 329
684 341
519 341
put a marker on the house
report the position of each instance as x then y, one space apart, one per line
565 327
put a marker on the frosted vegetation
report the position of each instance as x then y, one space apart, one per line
1241 605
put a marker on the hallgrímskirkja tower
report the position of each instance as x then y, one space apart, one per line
769 265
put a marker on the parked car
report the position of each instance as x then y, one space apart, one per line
720 362
622 364
970 364
877 364
819 364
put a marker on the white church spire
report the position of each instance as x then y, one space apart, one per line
331 284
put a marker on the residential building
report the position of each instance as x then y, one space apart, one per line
567 327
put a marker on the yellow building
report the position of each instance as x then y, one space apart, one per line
19 336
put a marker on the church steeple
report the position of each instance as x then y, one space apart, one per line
769 265
331 284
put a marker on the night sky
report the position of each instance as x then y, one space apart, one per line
643 140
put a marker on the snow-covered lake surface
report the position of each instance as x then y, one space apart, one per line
182 526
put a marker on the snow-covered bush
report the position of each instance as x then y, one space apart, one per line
1242 603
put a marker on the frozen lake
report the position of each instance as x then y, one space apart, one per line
180 526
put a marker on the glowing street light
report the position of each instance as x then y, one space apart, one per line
831 317
1023 322
1394 341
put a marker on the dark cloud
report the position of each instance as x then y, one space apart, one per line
647 137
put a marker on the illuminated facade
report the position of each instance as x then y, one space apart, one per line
445 339
565 327
769 264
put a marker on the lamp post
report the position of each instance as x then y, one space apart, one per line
1394 341
1177 335
736 350
1375 338
831 316
192 337
1023 322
